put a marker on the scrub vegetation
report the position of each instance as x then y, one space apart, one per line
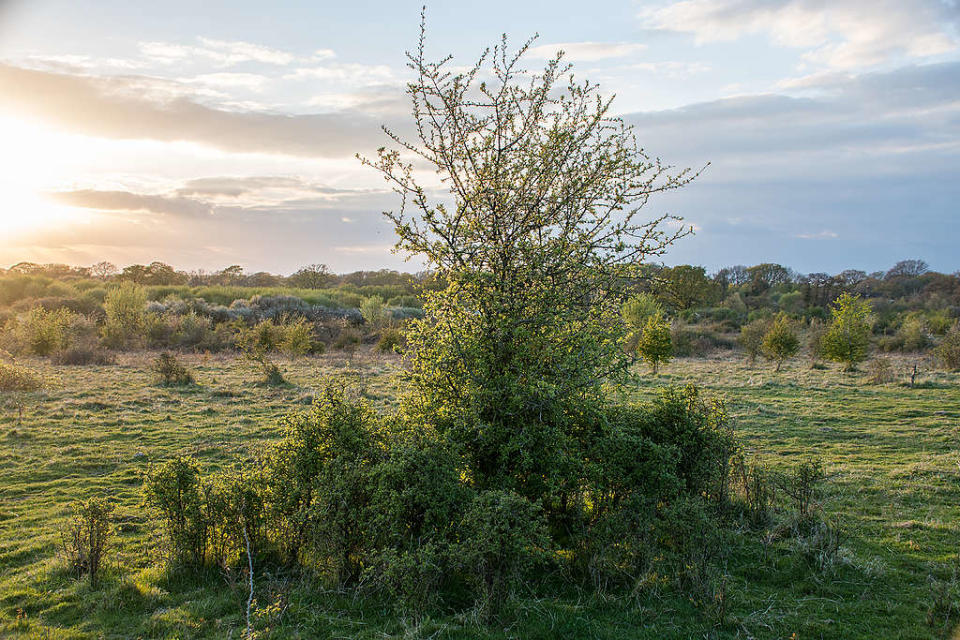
477 450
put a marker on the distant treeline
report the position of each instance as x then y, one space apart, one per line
314 276
910 304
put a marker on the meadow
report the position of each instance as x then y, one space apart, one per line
891 454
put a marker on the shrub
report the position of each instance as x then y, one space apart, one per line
947 352
751 338
410 302
780 342
317 483
297 338
638 309
756 484
236 515
391 340
264 337
192 331
655 345
125 309
16 381
176 490
815 335
42 332
374 312
14 378
171 372
83 355
503 537
848 335
804 484
348 339
913 334
880 370
87 536
256 343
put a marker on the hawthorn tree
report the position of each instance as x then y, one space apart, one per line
534 224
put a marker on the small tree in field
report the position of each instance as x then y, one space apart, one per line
535 226
655 345
780 342
751 339
848 337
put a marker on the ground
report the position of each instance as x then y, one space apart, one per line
891 451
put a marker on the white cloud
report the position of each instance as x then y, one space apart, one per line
586 51
223 53
249 81
822 235
352 74
841 34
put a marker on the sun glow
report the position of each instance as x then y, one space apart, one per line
29 159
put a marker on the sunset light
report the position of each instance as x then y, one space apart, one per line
620 319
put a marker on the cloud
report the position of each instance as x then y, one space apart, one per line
230 197
857 121
227 53
221 52
817 236
586 51
228 81
348 73
134 202
133 107
871 159
841 34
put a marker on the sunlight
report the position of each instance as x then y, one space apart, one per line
28 155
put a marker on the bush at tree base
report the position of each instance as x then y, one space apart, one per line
363 498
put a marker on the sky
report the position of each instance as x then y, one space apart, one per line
207 134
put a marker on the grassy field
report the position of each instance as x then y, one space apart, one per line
892 451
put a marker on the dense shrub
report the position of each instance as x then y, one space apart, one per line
348 339
751 338
407 301
236 518
176 490
14 378
913 334
298 338
170 372
125 309
360 497
503 536
948 351
83 355
391 340
40 332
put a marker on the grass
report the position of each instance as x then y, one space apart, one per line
891 451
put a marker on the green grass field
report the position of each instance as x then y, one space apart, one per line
892 451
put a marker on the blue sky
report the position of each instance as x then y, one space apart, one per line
216 133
